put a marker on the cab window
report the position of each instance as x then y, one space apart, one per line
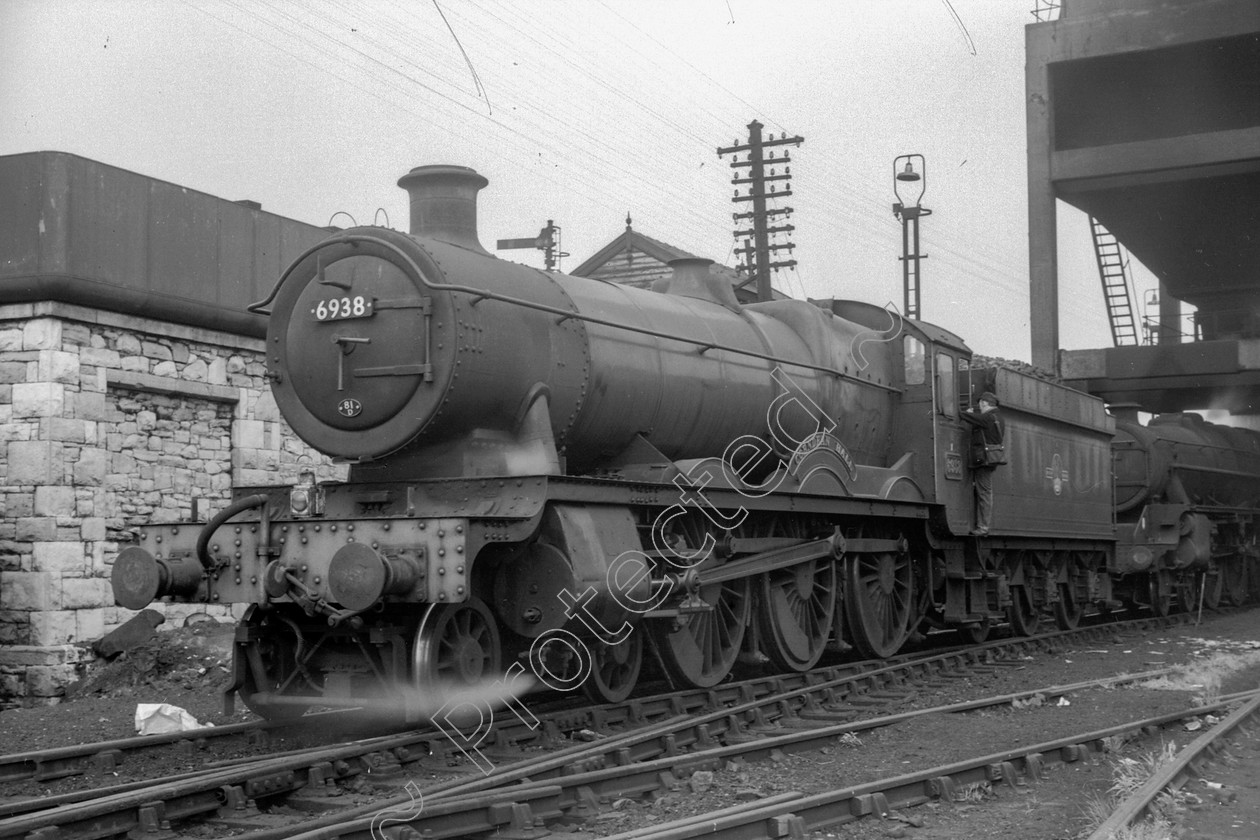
916 373
946 385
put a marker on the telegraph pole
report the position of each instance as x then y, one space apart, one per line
757 248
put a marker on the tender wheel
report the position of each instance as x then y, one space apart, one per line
1068 609
615 669
796 613
1161 587
1022 612
1234 581
701 650
456 645
879 602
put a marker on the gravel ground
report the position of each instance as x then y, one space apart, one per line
187 667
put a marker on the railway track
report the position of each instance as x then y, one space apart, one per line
654 729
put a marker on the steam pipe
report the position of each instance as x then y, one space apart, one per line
216 522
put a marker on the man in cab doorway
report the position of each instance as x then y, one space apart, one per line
988 432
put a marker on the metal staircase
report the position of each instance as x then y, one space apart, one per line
1113 269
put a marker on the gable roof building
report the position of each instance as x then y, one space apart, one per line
636 259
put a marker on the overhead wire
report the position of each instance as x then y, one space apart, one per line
854 212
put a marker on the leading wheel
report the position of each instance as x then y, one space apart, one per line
700 649
1022 612
615 668
879 602
796 612
268 665
457 645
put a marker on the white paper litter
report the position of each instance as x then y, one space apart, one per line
161 718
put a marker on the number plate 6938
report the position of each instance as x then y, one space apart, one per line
339 309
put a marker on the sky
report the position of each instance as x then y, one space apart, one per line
582 112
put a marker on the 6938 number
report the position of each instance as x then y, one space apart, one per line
339 309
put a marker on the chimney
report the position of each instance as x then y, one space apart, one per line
1126 412
692 278
444 203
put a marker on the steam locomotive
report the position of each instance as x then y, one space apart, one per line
581 477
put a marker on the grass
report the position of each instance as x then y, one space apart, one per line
1129 774
1204 677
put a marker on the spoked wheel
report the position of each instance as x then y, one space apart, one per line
614 669
1068 609
268 666
796 612
457 645
879 602
700 649
1234 581
1161 586
1022 612
1187 592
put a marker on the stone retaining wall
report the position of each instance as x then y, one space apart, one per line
109 422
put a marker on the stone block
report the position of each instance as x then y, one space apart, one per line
50 680
166 370
35 462
41 334
93 380
15 627
19 504
30 591
35 529
196 371
156 351
10 340
216 373
249 434
86 593
75 335
135 364
54 627
59 557
11 372
91 468
54 501
58 366
38 399
92 527
100 357
66 429
91 405
127 345
91 625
